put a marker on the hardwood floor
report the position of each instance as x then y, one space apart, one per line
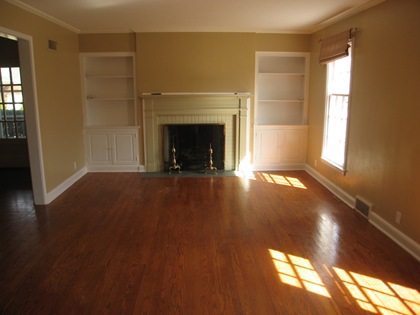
15 178
118 243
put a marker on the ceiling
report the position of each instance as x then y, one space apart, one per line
261 16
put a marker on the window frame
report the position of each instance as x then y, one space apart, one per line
326 159
11 88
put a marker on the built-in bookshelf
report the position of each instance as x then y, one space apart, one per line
110 116
280 125
109 90
281 88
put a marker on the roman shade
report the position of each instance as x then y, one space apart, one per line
335 47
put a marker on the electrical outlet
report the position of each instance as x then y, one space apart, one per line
75 165
398 217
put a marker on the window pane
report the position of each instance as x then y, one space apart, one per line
11 129
17 94
5 76
18 98
336 129
21 130
19 112
16 76
339 76
2 130
9 112
12 114
336 114
7 93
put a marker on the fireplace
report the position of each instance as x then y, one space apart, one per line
192 144
230 110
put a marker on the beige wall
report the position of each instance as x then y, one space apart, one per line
384 145
194 62
119 42
205 62
58 92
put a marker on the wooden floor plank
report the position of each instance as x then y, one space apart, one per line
119 243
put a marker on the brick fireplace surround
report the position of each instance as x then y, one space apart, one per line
230 109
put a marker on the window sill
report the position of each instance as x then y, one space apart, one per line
334 166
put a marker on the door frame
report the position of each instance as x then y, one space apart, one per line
33 133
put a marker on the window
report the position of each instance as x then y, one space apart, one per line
12 114
334 150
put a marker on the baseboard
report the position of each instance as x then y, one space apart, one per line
57 191
337 191
396 235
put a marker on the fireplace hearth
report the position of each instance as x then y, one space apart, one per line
192 145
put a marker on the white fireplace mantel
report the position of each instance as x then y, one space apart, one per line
231 109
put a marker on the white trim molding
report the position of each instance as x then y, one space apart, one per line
27 66
337 191
344 15
389 230
396 235
230 109
57 191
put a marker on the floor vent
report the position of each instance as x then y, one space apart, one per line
363 206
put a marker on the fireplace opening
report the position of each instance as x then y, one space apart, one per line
192 144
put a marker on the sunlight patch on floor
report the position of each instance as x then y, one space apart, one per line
273 179
375 294
298 272
371 294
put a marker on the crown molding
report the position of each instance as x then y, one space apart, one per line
327 22
343 15
39 13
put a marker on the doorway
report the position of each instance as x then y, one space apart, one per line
25 48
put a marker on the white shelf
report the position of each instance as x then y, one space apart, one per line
109 89
280 88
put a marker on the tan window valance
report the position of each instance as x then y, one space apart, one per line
335 47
